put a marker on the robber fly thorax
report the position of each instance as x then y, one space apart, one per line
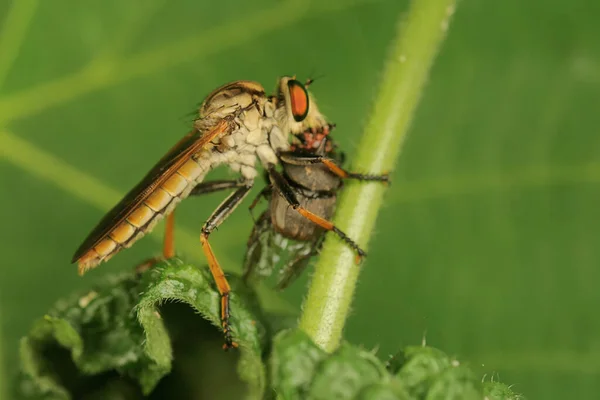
237 124
312 177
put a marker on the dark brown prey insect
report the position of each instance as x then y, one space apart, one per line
311 179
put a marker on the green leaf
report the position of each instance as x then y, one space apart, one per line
100 334
422 365
293 362
430 374
118 326
500 391
457 382
345 373
383 391
301 370
175 280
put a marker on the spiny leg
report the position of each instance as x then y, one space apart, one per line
218 216
309 159
288 194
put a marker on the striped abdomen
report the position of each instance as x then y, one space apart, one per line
160 202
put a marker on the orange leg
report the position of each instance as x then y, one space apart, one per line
342 173
218 216
336 169
223 288
169 240
328 225
295 159
168 246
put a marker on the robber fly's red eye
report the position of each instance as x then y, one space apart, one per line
298 99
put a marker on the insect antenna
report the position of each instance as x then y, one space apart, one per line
313 77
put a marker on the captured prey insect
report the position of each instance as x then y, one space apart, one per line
311 177
237 124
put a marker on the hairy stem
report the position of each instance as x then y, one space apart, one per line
414 48
3 375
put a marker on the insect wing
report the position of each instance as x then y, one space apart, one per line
163 170
267 250
261 253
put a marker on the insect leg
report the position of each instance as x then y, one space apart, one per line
216 186
263 193
309 159
168 246
288 194
218 216
169 241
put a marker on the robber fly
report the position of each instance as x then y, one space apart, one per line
237 124
311 177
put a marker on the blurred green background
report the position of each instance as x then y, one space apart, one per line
488 243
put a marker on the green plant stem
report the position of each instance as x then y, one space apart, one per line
419 37
3 377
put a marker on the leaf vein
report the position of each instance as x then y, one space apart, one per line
15 29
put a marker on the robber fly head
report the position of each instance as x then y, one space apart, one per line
296 110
